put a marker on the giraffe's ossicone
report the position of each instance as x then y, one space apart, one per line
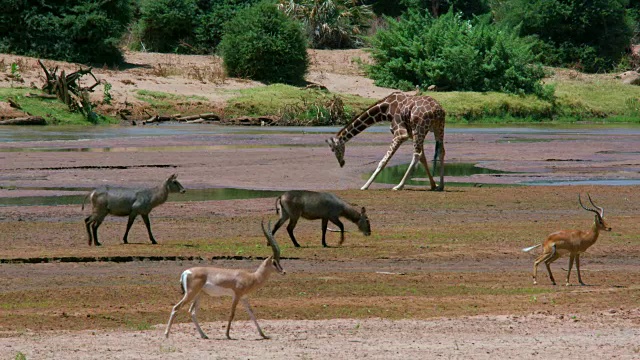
411 117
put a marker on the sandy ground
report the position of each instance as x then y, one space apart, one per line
538 336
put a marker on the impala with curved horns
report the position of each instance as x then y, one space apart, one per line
572 242
220 282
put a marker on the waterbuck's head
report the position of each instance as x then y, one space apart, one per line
173 184
599 220
275 258
363 224
337 146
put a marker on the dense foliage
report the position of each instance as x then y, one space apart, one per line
167 25
454 54
184 26
72 30
331 24
468 8
262 43
588 35
210 24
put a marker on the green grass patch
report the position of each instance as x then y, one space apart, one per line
166 101
52 110
274 99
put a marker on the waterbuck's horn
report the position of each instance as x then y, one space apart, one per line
588 209
272 240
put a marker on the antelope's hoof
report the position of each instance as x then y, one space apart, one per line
567 284
98 244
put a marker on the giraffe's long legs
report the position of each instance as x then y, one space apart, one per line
440 154
414 161
397 141
423 160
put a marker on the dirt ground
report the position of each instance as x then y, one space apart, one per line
442 275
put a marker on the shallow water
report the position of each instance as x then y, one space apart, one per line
189 195
53 133
393 174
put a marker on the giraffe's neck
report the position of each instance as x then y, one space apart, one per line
369 117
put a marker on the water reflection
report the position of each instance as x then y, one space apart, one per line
393 174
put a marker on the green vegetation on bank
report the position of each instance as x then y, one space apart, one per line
52 110
578 97
594 98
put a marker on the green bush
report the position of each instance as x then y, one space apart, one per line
454 54
210 25
331 24
263 44
167 25
589 35
73 30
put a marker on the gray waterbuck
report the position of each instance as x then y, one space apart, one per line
313 205
131 202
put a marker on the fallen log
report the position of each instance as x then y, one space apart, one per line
205 116
31 120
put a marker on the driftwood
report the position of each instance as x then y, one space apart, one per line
14 104
66 88
211 118
31 120
191 119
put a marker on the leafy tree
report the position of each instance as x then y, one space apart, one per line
262 43
214 15
468 8
454 54
590 35
72 30
332 24
167 25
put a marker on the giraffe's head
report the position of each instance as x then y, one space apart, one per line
337 147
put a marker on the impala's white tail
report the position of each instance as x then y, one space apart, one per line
527 249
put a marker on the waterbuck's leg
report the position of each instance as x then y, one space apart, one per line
94 228
284 217
87 224
247 307
193 310
571 258
147 223
578 269
290 227
234 303
325 222
341 227
132 217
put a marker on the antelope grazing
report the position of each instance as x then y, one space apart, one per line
220 282
120 201
572 242
313 205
